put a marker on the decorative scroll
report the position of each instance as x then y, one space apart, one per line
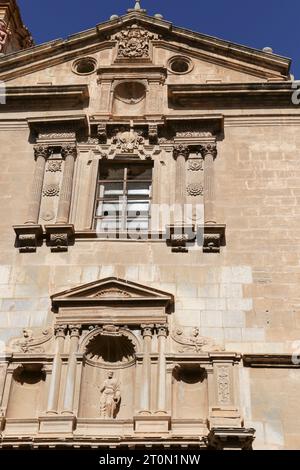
28 343
194 342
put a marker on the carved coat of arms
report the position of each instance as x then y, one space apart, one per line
134 42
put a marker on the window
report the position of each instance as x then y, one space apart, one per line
123 196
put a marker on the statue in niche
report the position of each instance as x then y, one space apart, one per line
110 397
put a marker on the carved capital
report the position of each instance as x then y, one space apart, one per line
162 330
147 330
68 150
42 151
208 149
75 330
60 331
181 150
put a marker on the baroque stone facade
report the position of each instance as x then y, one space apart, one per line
149 240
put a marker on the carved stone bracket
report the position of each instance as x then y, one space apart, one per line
28 237
212 237
231 438
102 133
60 237
179 237
153 134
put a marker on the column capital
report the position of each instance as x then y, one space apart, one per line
162 330
209 149
68 150
181 149
75 330
147 330
41 151
60 331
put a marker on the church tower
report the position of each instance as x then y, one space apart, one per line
13 33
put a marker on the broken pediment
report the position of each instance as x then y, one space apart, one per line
113 291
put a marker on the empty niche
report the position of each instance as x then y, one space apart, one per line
189 394
26 393
129 98
107 355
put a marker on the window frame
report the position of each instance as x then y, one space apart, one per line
124 199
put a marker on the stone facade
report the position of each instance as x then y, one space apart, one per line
182 334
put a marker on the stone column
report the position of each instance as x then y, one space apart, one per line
180 154
71 370
162 370
41 154
69 154
145 403
209 153
52 407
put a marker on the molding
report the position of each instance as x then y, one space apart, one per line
59 50
113 291
232 95
269 360
39 96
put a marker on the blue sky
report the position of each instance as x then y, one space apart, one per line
255 23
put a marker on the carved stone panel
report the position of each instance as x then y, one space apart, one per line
134 43
51 189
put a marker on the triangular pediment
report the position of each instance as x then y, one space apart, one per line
112 291
245 59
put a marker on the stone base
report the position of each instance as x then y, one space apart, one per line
21 427
28 237
56 424
152 424
60 236
189 427
103 427
231 438
225 416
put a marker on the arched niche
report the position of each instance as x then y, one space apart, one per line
129 97
26 393
189 392
108 349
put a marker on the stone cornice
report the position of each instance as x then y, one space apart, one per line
235 55
232 95
38 97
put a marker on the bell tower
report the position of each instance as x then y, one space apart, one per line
14 35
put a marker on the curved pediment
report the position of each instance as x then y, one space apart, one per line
113 291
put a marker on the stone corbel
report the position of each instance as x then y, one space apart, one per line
28 237
60 236
102 133
153 134
212 237
231 438
179 236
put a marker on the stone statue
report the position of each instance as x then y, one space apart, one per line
110 398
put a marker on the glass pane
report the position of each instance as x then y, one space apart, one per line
138 189
108 209
135 209
110 190
137 224
111 171
108 225
139 172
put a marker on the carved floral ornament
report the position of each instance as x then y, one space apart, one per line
195 189
134 42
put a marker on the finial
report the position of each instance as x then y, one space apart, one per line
137 7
